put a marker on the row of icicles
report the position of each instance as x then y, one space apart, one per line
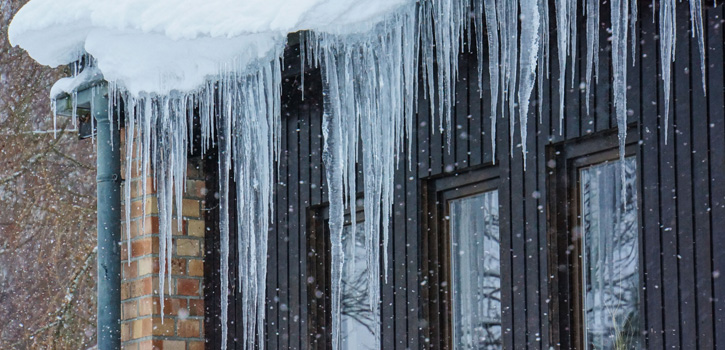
370 88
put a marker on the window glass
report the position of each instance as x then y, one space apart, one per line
610 256
475 272
357 328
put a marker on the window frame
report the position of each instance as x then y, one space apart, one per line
436 264
564 162
319 265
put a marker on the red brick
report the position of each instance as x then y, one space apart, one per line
129 310
130 271
196 307
187 287
141 247
195 345
165 329
173 305
189 328
141 287
196 267
173 345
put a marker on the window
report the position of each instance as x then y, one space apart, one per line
610 255
475 271
596 247
461 262
358 318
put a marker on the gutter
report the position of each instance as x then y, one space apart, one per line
108 213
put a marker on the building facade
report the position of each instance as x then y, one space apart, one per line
575 248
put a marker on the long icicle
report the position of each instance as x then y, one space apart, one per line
667 53
697 30
619 68
592 8
562 37
530 22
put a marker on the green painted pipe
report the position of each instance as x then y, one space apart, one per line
109 224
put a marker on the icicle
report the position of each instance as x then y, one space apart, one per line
369 90
509 39
592 8
302 63
697 30
530 22
111 104
225 159
55 117
93 117
543 63
573 26
130 131
562 37
492 29
667 52
441 44
619 68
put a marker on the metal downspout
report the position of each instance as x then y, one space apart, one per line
109 225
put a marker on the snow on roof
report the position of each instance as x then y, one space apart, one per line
163 45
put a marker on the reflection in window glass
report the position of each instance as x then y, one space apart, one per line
475 272
357 328
610 256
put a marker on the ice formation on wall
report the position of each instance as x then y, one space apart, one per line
562 37
527 63
667 52
370 84
221 62
592 12
620 9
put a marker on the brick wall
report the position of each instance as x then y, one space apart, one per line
183 325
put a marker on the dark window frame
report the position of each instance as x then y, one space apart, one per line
318 271
564 160
436 244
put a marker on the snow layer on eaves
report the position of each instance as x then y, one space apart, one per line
157 46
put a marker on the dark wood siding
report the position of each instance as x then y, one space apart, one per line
682 205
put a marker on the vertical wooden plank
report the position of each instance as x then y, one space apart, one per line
680 137
388 298
574 96
668 224
413 270
701 201
271 291
505 234
461 121
397 238
648 170
315 121
516 204
423 128
437 140
716 96
235 335
282 300
531 246
476 138
303 208
293 192
602 106
586 112
542 140
426 290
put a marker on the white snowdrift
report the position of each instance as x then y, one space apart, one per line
163 45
